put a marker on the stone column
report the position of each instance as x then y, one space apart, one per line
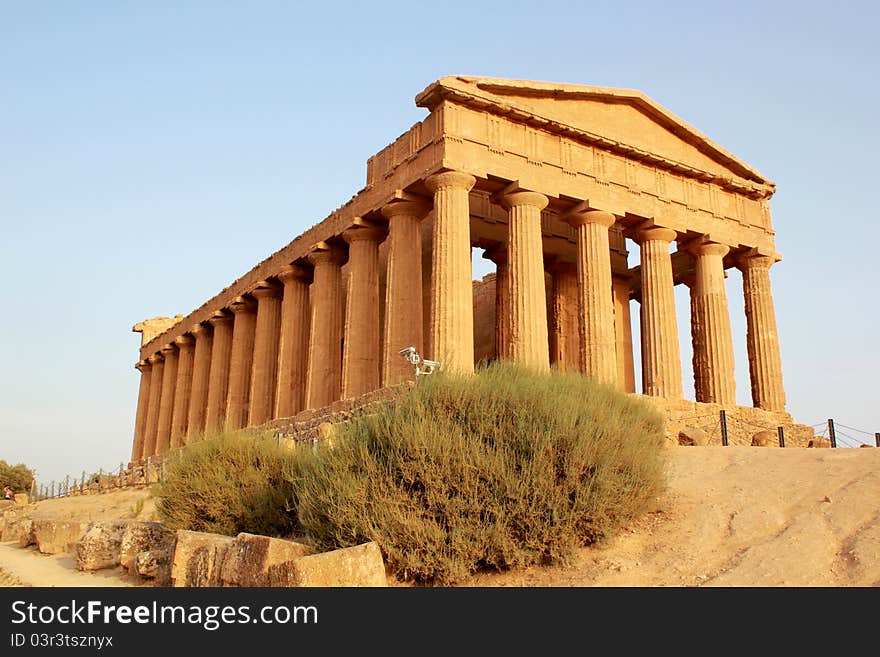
661 358
762 340
218 382
166 403
565 331
360 362
403 289
241 361
623 334
293 348
183 389
595 305
157 371
198 401
529 342
452 308
264 375
143 404
710 319
325 337
498 255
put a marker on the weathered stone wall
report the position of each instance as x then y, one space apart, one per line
484 318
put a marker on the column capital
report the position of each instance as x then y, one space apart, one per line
513 196
266 290
167 350
241 305
199 329
184 340
703 246
755 259
363 234
324 253
653 233
410 208
142 365
445 179
155 358
497 253
220 318
293 272
580 215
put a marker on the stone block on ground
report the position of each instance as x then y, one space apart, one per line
361 565
18 530
819 442
248 559
154 565
143 537
58 536
21 499
692 436
197 558
766 438
100 546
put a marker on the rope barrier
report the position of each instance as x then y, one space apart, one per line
867 433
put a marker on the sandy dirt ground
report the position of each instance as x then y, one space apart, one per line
742 516
732 516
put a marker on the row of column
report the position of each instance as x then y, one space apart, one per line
280 348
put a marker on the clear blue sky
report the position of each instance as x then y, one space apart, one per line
152 152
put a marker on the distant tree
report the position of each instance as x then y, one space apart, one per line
17 477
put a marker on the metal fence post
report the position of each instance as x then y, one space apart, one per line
831 434
723 419
781 432
877 439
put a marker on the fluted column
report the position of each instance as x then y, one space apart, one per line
710 320
218 382
623 335
264 375
143 404
183 389
360 361
293 348
241 360
498 255
452 308
166 403
198 401
529 342
565 331
157 373
595 305
403 288
325 336
661 358
762 340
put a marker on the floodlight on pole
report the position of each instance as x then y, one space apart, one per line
422 366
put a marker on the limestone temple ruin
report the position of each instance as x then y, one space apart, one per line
550 180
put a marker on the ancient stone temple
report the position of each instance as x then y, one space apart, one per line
551 181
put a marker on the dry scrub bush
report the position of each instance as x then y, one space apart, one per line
230 483
505 468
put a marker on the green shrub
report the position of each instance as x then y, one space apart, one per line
226 484
505 468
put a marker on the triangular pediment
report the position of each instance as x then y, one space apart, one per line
625 119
